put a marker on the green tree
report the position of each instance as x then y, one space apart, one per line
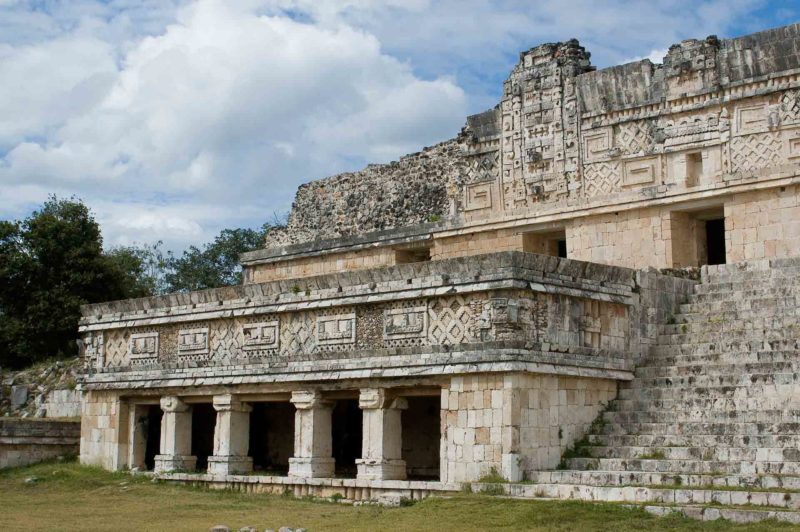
50 264
141 267
217 263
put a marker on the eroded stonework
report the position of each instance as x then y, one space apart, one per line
490 306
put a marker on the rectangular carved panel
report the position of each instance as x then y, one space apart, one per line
479 196
405 323
640 171
261 336
143 346
751 119
193 342
597 145
336 330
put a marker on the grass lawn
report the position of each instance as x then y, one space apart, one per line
68 496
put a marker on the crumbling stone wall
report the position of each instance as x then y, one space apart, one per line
566 139
409 191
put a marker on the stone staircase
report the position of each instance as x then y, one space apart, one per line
712 417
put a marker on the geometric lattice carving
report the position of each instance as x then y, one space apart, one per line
600 179
753 152
484 167
297 334
227 341
451 321
790 106
633 137
116 347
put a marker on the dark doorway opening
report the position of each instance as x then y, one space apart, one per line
347 427
421 424
562 249
204 420
272 437
715 241
553 243
152 431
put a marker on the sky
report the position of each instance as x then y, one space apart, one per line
174 119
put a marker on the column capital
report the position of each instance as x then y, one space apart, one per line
171 403
309 399
230 403
371 398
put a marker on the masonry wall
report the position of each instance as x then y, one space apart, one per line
763 225
476 244
320 265
104 430
24 442
487 419
636 239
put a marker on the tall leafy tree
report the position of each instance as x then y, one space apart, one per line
142 268
50 264
217 263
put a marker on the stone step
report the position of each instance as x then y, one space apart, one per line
700 392
702 403
769 272
701 427
741 324
685 466
647 478
720 454
749 301
702 415
679 356
790 280
695 440
700 381
730 337
777 500
732 319
716 369
731 514
698 305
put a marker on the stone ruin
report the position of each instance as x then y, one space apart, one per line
593 289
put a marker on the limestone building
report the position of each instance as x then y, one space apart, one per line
495 300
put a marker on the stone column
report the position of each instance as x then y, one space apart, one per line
313 450
381 450
231 437
176 437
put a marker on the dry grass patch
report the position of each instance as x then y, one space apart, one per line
67 496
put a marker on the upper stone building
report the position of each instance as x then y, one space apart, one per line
491 303
635 165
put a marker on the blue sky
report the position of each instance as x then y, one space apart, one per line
174 119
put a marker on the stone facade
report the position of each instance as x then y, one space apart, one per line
490 306
639 153
24 442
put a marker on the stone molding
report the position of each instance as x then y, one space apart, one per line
374 398
230 403
309 400
173 404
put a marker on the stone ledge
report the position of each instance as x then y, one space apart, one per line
497 361
441 276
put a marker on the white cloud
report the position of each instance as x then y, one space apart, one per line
226 105
176 118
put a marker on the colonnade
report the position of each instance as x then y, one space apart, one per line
381 456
